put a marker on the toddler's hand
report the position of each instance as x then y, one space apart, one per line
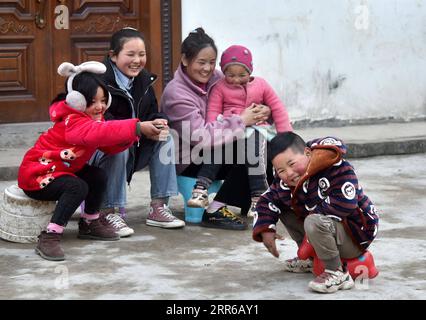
263 113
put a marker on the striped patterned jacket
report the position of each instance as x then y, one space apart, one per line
329 187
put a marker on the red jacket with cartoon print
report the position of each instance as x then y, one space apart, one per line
67 146
329 187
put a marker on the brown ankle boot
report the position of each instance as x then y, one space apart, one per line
96 230
48 246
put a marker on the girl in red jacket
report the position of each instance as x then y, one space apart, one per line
55 168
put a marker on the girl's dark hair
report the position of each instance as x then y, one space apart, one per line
196 41
60 97
87 84
282 141
120 37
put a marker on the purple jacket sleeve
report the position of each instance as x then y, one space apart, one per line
215 105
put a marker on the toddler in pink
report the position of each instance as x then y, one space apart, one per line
237 91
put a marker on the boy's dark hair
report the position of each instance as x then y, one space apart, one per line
282 141
196 41
120 37
87 84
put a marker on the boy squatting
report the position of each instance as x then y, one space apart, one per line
316 193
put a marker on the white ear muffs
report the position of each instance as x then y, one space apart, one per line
74 98
109 100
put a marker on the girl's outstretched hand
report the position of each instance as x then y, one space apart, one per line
149 130
163 126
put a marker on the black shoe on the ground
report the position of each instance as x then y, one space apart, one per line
223 219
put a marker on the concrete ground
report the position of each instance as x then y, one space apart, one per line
197 263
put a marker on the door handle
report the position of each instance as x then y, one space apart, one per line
40 17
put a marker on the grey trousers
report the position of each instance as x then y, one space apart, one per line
326 235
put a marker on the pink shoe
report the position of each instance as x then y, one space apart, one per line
161 216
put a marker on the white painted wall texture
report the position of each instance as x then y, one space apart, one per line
331 59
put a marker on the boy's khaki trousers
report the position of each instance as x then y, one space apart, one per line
326 235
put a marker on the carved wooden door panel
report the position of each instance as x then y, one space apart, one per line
25 61
37 35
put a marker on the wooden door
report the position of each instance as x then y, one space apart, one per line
24 53
37 35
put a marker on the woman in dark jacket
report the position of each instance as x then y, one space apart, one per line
133 96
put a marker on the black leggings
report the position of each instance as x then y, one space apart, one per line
253 152
235 190
70 192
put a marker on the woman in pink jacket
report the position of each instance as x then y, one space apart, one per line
231 96
184 101
55 168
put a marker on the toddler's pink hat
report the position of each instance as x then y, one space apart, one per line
237 55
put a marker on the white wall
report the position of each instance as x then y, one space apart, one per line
343 59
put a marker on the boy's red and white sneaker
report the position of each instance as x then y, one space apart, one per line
330 281
297 265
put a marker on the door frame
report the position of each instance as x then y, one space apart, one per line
164 23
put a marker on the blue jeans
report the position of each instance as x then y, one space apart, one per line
162 173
